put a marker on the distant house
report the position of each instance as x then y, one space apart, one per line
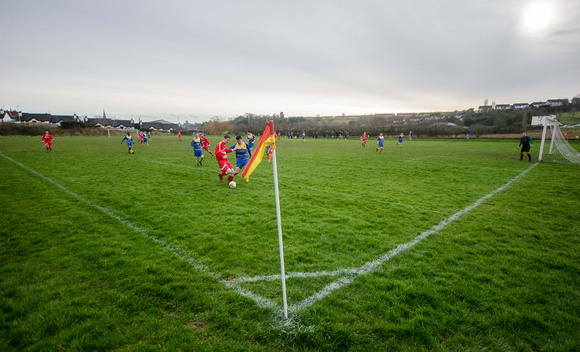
557 102
484 108
159 125
105 122
35 118
124 124
537 104
502 107
519 106
9 116
99 122
190 126
57 119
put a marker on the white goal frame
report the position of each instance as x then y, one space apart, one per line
556 139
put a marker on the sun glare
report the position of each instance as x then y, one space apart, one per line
538 16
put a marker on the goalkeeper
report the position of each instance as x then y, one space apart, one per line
525 144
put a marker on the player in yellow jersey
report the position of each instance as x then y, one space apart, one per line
380 143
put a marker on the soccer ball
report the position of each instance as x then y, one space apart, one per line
232 184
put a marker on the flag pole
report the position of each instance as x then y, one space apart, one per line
280 233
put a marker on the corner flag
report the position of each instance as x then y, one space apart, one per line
267 138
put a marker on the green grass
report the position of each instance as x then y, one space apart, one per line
569 118
504 276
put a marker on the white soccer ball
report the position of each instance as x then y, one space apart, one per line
232 184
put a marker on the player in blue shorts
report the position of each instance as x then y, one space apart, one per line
130 142
243 154
145 140
197 144
303 136
251 139
401 137
380 141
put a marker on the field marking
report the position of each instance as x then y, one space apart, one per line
181 254
352 273
372 266
425 157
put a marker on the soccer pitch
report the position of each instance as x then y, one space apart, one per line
439 244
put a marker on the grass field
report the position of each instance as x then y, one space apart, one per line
438 245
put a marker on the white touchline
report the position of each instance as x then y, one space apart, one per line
372 266
260 301
351 273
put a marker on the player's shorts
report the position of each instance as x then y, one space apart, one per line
48 143
224 165
381 145
250 145
242 162
197 153
205 147
525 149
144 140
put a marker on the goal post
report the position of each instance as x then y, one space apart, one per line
560 150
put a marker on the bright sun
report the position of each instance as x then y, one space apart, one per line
538 16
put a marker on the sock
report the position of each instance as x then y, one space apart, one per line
521 157
230 179
529 157
223 173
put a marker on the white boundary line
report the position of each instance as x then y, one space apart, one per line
181 254
351 273
372 266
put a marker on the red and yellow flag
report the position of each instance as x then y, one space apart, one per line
266 139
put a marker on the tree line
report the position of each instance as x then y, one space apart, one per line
435 124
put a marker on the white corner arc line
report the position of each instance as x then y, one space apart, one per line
372 266
260 301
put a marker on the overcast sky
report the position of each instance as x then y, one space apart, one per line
204 58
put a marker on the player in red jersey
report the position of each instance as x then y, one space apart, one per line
179 135
205 144
364 138
47 139
221 151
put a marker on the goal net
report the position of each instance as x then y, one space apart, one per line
558 150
